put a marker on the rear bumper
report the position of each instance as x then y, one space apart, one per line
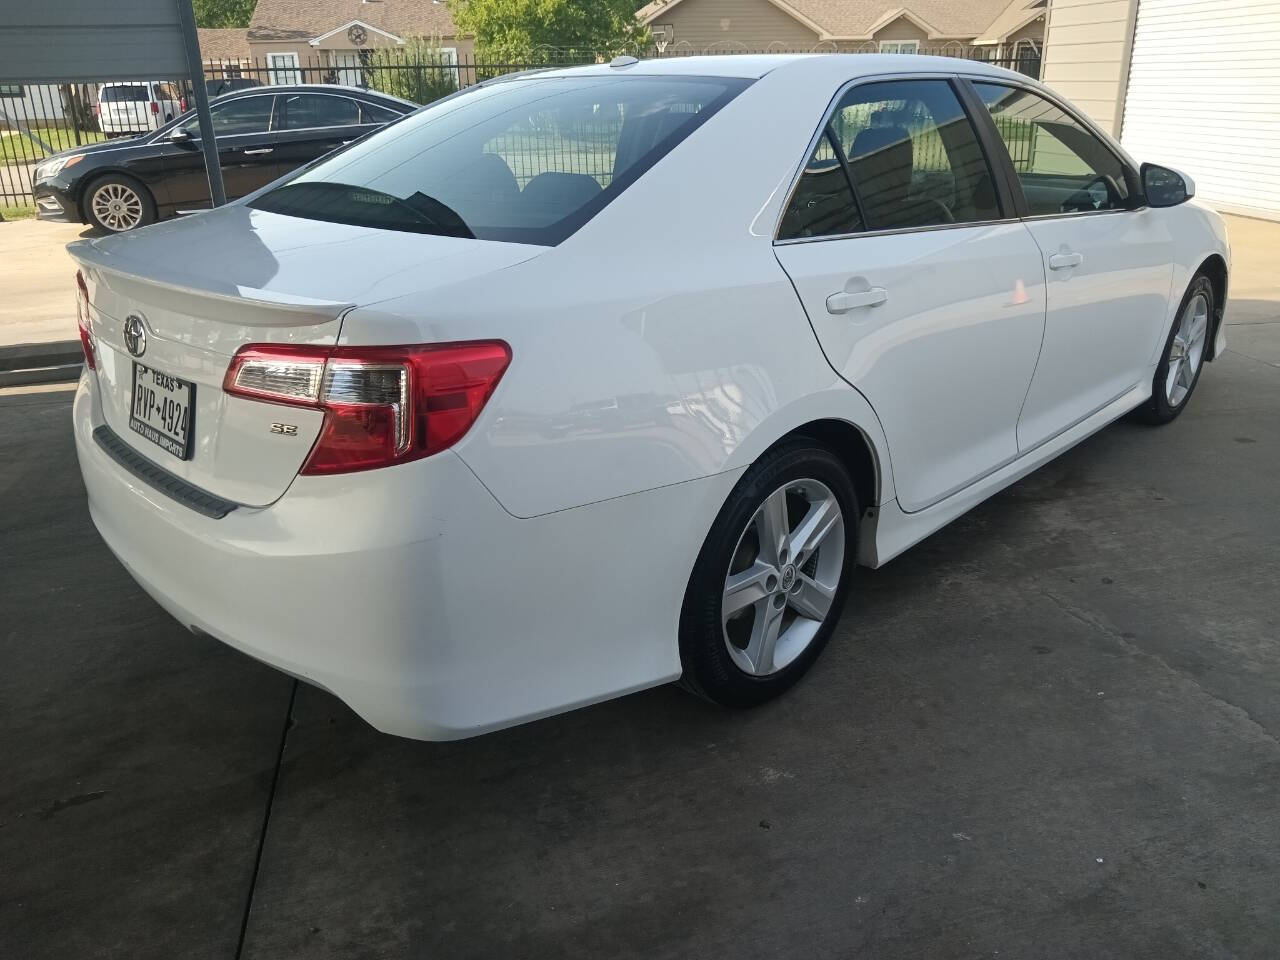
410 593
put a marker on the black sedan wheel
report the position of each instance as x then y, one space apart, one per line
116 203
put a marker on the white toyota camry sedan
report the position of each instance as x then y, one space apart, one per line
584 381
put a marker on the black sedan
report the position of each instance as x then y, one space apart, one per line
263 133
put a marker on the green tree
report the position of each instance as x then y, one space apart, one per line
416 71
223 13
535 31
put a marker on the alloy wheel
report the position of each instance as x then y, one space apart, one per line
1186 353
783 577
117 207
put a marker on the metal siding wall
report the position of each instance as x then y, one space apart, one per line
72 41
1204 96
1086 51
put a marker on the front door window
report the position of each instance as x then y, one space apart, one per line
1062 166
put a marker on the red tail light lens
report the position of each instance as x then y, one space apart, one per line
182 104
383 405
155 107
82 321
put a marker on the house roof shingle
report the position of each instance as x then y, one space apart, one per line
228 44
858 19
307 19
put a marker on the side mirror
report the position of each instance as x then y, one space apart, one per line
179 136
1165 187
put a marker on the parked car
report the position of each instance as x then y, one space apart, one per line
263 133
137 106
590 380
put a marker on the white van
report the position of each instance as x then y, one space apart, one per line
137 106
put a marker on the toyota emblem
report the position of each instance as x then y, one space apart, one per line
135 335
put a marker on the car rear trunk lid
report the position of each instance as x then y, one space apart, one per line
201 289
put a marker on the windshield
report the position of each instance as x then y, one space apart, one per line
527 160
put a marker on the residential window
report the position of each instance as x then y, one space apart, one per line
1062 166
899 46
11 90
913 156
319 110
283 68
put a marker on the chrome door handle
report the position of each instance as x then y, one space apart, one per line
1061 261
845 301
254 153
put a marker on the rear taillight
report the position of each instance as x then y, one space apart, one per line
382 405
82 321
155 107
97 108
182 104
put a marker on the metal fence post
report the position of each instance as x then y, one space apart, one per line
195 66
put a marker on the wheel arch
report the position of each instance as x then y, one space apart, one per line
91 179
1215 268
855 450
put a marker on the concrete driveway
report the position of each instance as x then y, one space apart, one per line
38 280
1050 730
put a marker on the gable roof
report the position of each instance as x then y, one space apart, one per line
1016 16
861 19
220 44
309 19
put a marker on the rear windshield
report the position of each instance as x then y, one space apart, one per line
129 91
527 160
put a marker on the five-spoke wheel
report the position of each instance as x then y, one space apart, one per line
783 576
768 586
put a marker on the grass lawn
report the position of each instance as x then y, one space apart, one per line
21 211
19 148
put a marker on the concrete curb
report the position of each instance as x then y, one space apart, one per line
32 363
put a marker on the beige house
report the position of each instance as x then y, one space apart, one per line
1191 84
293 37
995 28
225 52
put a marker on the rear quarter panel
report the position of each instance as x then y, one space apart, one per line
662 342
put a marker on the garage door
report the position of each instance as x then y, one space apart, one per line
1204 96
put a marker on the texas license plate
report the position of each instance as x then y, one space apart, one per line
162 409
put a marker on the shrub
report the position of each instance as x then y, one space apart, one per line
418 71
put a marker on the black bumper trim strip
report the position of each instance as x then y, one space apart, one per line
156 476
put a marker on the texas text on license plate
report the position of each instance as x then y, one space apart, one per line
161 409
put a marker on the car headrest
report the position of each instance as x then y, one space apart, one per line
556 195
882 159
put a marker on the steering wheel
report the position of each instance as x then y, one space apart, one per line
1086 199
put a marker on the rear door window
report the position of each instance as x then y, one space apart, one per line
1062 166
372 113
309 110
822 204
910 157
527 160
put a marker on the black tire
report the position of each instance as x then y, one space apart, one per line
1159 410
709 669
147 202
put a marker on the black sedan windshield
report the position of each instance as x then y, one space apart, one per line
527 160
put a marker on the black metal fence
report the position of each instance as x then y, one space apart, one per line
38 120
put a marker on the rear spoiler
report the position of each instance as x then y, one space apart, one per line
202 297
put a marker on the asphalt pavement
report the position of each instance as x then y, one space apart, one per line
1048 731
